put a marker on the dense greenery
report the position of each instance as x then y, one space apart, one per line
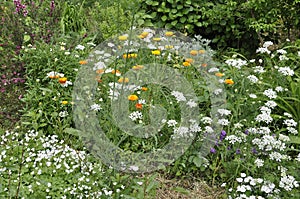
228 23
253 80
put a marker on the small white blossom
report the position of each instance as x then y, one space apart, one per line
259 162
95 107
259 69
224 112
223 122
270 93
237 63
267 44
63 114
290 123
253 96
286 71
79 47
172 123
136 115
253 78
178 95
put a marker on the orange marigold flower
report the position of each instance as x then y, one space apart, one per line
100 71
204 64
229 81
138 106
190 60
123 80
64 102
186 63
132 98
155 52
115 71
62 80
169 34
54 76
193 52
219 74
82 62
137 67
201 51
144 88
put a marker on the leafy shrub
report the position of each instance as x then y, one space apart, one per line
228 23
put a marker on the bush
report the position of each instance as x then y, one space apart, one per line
228 23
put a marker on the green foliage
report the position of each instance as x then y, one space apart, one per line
104 21
228 23
73 18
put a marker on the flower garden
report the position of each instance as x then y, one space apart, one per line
184 116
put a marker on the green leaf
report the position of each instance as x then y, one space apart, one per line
294 139
72 131
223 22
26 38
164 18
197 161
140 21
174 23
182 19
46 89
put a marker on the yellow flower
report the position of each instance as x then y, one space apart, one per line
201 51
229 81
137 67
143 35
133 55
156 39
155 52
62 80
144 88
132 98
186 63
169 34
64 102
193 52
82 62
126 56
169 46
123 37
219 74
123 80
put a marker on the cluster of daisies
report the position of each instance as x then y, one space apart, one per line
50 168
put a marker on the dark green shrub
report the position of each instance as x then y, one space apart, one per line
228 23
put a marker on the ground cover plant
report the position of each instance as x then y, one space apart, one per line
46 154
